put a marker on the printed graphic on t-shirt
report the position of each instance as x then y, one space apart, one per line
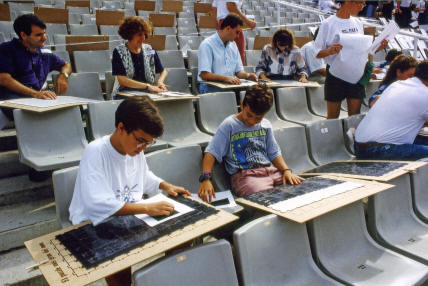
350 30
249 149
126 195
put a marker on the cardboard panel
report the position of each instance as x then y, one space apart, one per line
86 43
104 17
78 3
162 20
207 22
144 5
4 12
202 8
52 15
300 41
172 6
260 42
156 41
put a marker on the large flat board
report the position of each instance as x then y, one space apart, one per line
162 20
172 6
157 42
4 12
78 3
158 97
207 22
105 17
244 84
201 7
318 208
144 5
260 42
62 268
52 15
379 170
43 105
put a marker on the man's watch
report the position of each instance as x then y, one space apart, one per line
205 176
65 74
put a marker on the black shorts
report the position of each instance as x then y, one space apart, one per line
336 89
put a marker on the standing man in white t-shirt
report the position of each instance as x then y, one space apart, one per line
222 8
113 173
389 130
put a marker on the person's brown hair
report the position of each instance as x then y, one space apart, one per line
232 20
421 71
140 112
401 63
258 98
283 35
133 25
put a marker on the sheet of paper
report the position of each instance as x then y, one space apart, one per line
388 33
423 131
179 209
44 103
222 199
311 197
297 83
139 93
350 62
174 94
380 75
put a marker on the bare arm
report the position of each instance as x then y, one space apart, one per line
287 176
61 81
209 76
234 9
160 82
334 49
128 82
153 209
206 189
7 81
245 75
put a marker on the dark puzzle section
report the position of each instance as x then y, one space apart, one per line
375 169
285 192
94 245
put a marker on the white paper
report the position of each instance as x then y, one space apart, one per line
298 83
139 93
388 33
311 197
174 94
44 103
178 207
380 75
220 196
350 62
423 131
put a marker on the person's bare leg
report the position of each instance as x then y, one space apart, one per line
121 278
354 106
333 109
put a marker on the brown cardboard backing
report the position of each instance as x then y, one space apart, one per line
52 15
156 41
104 17
260 42
318 208
162 20
172 6
207 22
4 12
300 41
201 8
62 269
144 5
78 3
78 43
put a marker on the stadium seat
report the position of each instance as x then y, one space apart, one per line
195 86
187 31
6 27
109 81
86 85
109 30
420 195
177 80
171 42
249 42
210 265
292 141
348 123
78 10
74 19
171 59
346 251
92 61
275 251
83 30
50 140
291 105
253 57
213 108
191 42
2 37
63 184
326 142
192 56
88 19
55 29
165 31
316 102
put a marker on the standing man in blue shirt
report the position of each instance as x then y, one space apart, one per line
25 64
219 58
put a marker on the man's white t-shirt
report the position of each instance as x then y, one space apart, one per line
222 11
309 53
107 180
397 116
333 26
326 5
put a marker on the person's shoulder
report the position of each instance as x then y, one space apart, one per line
295 50
7 46
228 122
96 147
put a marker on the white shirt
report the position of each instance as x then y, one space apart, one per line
398 114
222 11
107 180
333 26
405 3
326 5
309 53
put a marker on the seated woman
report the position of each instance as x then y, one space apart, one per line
281 60
401 68
134 63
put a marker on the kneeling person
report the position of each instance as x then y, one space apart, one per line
246 144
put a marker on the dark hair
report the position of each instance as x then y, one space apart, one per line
259 98
422 70
140 112
401 63
283 35
392 54
232 20
133 25
24 23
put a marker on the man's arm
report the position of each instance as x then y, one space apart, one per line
206 189
245 75
209 76
62 80
128 82
7 81
231 6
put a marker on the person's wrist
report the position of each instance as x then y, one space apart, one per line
287 170
64 74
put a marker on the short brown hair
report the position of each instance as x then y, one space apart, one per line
283 35
140 112
132 26
400 62
259 98
232 20
422 70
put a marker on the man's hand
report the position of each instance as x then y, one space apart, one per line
251 24
61 84
303 79
292 179
383 45
335 49
232 80
253 77
45 94
206 191
162 86
176 190
159 208
154 89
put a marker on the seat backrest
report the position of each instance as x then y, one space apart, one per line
101 118
74 19
171 42
52 29
78 10
92 61
180 166
253 57
63 55
294 148
213 108
348 123
109 30
316 102
177 80
85 84
326 142
83 30
420 195
171 59
59 41
165 31
195 88
7 28
217 267
250 43
372 87
63 183
191 42
192 56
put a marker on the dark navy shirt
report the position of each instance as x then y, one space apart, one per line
30 69
138 61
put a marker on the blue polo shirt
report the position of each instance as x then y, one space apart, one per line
30 69
215 57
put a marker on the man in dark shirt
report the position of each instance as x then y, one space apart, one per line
25 64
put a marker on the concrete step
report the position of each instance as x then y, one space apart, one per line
8 140
10 165
25 221
19 189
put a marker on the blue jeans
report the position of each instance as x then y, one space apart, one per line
205 88
415 151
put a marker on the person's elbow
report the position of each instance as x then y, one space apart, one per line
4 78
204 76
122 80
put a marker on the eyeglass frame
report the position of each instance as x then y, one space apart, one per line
144 143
